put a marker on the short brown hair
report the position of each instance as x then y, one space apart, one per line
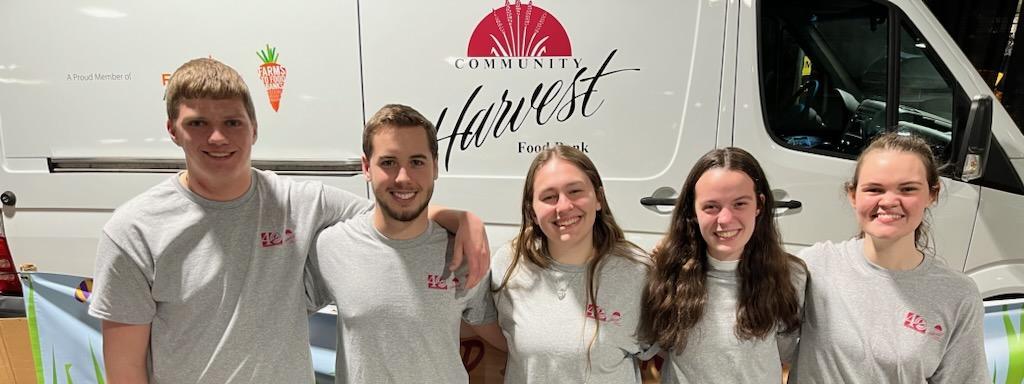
206 79
398 116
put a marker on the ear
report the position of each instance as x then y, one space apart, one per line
366 167
171 132
254 131
600 192
934 193
851 195
762 205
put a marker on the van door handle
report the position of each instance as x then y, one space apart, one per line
788 204
648 201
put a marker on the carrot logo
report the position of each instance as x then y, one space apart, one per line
273 75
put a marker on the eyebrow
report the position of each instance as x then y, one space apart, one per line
741 198
392 157
873 184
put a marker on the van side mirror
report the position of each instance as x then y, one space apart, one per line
972 153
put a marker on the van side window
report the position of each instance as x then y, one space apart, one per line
838 102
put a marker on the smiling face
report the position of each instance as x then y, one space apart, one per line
891 194
726 208
565 204
217 136
401 171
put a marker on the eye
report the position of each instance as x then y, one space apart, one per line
233 123
386 163
549 198
575 192
195 123
709 209
909 189
418 162
872 190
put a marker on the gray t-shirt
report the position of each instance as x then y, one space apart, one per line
548 324
866 324
399 307
714 354
221 283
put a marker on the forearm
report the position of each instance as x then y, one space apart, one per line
450 219
492 334
125 347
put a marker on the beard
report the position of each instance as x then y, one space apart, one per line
398 215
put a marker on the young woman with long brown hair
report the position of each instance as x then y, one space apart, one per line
724 297
568 287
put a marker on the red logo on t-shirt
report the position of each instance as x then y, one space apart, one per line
597 313
436 282
915 322
440 283
270 239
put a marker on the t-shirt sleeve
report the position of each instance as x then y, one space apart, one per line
121 292
964 358
317 295
788 342
480 308
340 205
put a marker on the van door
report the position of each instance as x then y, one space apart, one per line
823 89
632 84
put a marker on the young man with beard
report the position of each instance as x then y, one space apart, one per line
200 278
399 308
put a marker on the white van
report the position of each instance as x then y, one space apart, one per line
644 87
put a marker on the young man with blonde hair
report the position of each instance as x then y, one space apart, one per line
200 278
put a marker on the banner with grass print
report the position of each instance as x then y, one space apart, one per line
1004 340
66 341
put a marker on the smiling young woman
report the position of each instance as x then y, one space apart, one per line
880 307
724 297
568 287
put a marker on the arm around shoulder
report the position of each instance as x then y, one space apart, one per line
470 241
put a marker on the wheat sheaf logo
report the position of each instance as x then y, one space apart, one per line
519 30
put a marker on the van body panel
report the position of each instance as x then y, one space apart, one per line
997 231
86 88
1018 165
999 279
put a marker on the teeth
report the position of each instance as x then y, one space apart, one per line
568 222
727 234
890 216
404 195
219 154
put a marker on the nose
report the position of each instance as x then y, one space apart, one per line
564 204
888 199
218 137
725 216
403 175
